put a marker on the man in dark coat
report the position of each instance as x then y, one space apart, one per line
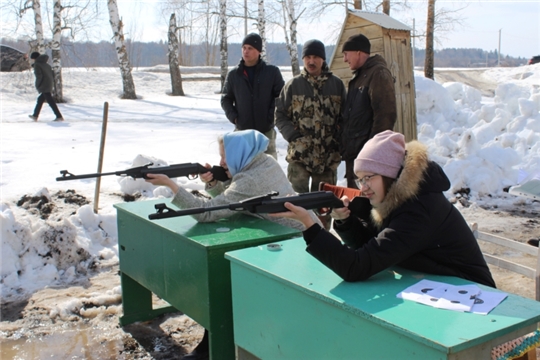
250 91
370 107
44 85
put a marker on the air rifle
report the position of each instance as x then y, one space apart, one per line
260 204
191 170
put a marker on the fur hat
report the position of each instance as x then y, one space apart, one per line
314 47
357 42
34 55
383 154
253 40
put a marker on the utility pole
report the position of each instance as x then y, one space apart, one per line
499 52
413 40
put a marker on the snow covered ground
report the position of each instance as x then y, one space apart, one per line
51 236
484 144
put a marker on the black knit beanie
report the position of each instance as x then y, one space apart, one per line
314 47
357 43
253 40
34 55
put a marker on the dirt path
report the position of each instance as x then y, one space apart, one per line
474 78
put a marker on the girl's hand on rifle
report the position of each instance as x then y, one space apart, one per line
296 213
342 213
208 177
162 180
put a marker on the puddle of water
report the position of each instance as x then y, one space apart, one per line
80 343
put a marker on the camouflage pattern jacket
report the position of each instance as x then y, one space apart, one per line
308 113
370 107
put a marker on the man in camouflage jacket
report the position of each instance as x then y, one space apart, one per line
370 107
308 112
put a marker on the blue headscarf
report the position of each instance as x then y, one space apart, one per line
241 147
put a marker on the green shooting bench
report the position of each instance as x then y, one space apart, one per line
287 305
182 262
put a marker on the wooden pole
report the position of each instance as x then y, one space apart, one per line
101 153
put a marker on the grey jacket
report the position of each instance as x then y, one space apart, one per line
44 74
263 175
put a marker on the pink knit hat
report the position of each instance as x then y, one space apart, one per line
383 154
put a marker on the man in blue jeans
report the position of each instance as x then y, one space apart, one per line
44 85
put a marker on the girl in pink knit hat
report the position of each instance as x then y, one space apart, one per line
408 221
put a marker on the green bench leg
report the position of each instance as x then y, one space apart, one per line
137 302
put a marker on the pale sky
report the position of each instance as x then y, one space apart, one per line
517 20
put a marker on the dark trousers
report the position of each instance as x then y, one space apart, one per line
349 174
46 96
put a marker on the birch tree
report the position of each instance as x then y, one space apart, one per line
55 50
121 52
430 28
174 66
261 26
39 45
223 48
289 27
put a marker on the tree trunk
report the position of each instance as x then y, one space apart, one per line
223 49
39 45
174 66
55 48
123 60
261 25
386 7
358 4
429 61
293 51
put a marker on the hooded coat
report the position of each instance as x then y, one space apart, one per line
370 107
44 74
308 113
252 107
415 227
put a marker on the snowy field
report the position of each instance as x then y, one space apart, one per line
484 144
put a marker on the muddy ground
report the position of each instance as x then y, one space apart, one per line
33 327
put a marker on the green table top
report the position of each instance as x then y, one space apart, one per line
218 234
375 299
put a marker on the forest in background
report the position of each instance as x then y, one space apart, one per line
146 54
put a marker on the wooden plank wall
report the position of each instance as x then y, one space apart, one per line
395 47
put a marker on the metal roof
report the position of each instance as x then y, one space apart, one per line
380 19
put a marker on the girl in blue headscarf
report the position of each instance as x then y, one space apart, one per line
251 172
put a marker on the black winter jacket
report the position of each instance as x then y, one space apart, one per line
44 74
370 107
415 227
252 106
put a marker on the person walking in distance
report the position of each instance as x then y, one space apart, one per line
308 112
250 91
370 107
44 85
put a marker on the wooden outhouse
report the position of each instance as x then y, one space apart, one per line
392 40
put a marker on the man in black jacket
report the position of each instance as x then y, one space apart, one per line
44 85
250 91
